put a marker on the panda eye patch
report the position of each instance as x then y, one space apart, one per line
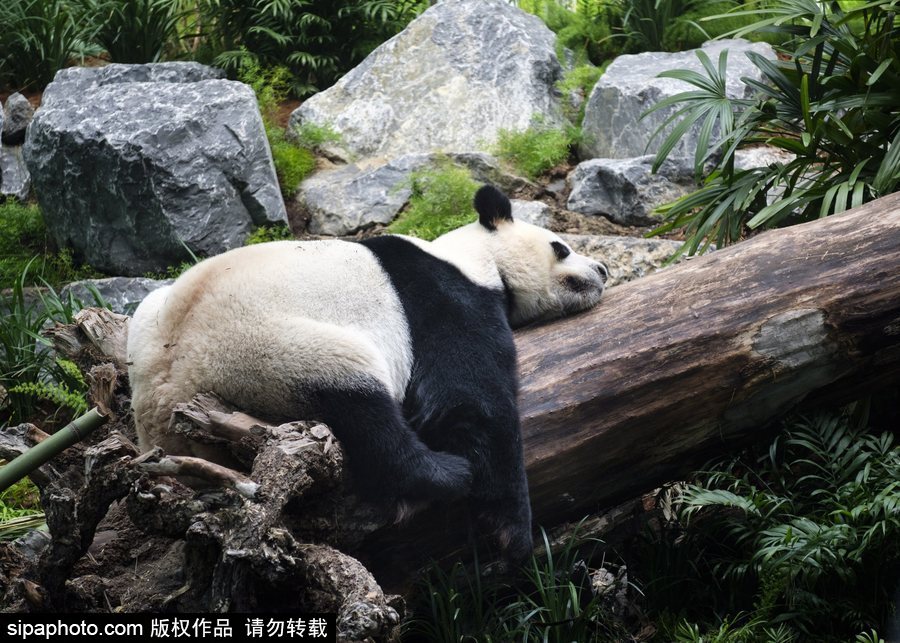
560 249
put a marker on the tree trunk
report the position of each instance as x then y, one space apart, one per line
697 360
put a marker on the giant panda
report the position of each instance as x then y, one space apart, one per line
403 347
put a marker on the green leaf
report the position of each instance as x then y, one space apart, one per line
879 71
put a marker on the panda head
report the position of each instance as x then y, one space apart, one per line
544 279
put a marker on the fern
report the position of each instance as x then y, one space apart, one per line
66 392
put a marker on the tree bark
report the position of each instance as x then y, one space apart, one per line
696 360
701 357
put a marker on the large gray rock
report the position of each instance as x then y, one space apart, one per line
533 212
122 294
456 75
359 195
626 258
625 190
15 181
17 114
131 163
612 125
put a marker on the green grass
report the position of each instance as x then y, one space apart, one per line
266 233
24 240
550 600
539 148
292 163
441 201
293 157
20 509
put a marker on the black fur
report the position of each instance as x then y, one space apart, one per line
380 442
461 397
492 207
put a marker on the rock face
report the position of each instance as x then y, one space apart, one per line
627 258
123 294
533 212
131 163
448 82
612 122
625 190
359 195
15 181
17 113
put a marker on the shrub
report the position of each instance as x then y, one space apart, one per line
552 601
38 37
585 31
646 23
803 531
537 149
292 163
133 31
830 104
316 40
441 201
293 160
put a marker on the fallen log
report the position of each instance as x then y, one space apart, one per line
701 357
693 361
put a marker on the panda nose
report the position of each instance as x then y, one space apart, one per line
603 271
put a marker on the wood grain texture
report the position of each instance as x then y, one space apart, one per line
698 358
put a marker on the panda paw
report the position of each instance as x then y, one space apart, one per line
438 476
509 523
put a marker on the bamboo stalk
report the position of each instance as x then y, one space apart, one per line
39 454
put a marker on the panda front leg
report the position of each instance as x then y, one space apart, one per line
389 462
491 441
500 498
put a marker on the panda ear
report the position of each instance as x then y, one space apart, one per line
492 206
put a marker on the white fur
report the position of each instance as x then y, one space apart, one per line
254 324
257 324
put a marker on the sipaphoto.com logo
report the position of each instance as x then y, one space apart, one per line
52 629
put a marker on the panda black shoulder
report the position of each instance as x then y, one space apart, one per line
462 344
423 280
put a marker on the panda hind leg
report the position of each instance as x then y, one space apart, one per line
388 461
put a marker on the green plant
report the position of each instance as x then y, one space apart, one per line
537 149
316 40
830 105
39 387
314 135
38 38
24 242
134 31
551 601
20 509
578 82
292 156
805 530
645 22
584 30
292 163
737 629
266 233
558 602
441 201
